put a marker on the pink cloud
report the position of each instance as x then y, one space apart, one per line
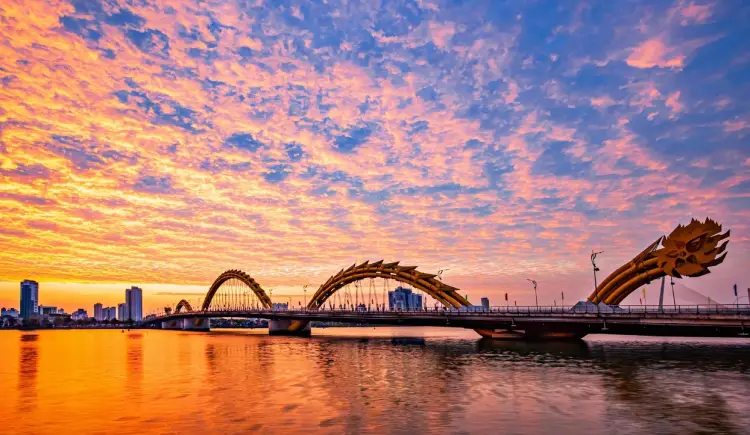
694 13
442 33
736 126
655 53
673 102
602 102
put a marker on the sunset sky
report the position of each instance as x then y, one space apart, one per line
159 143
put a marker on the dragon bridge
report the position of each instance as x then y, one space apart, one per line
243 277
427 282
689 250
183 304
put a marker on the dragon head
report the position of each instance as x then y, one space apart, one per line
691 249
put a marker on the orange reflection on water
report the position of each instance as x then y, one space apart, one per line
365 380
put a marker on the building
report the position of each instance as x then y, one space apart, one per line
29 298
110 313
98 314
404 299
46 310
79 314
122 312
134 301
10 312
486 303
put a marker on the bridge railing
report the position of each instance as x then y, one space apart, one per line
591 309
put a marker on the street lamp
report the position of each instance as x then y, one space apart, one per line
304 290
596 269
535 295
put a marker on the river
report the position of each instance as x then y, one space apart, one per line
367 380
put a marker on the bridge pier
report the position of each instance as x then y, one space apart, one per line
195 324
187 324
299 328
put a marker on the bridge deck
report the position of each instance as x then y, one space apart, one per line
672 321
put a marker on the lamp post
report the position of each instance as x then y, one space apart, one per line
535 294
596 269
304 291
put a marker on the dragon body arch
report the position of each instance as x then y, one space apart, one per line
427 282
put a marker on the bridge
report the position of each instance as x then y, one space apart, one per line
505 322
689 251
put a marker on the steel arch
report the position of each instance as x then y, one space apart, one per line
241 276
443 293
183 304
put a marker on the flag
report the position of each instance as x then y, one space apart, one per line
562 294
735 290
506 297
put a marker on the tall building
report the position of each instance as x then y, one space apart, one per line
122 312
486 303
134 301
405 299
110 313
98 314
29 298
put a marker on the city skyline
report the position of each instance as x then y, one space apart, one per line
155 147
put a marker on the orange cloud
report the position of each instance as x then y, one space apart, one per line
655 53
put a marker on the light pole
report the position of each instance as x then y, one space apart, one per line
674 299
596 269
535 295
304 290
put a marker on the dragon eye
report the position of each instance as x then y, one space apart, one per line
696 244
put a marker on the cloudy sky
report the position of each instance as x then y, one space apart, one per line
162 142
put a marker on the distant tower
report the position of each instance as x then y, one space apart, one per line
98 314
122 312
486 303
134 301
29 298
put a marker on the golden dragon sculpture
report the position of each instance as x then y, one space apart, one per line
689 250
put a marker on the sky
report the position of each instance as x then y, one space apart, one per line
159 143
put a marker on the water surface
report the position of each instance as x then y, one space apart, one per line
367 380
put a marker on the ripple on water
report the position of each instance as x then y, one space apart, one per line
395 380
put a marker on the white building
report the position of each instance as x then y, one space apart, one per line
98 312
134 301
122 312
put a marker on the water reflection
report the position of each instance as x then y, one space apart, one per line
658 382
28 367
240 382
134 362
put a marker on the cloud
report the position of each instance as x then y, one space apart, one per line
491 139
693 13
655 53
673 102
442 33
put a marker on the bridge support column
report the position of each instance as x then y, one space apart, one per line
194 324
299 328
